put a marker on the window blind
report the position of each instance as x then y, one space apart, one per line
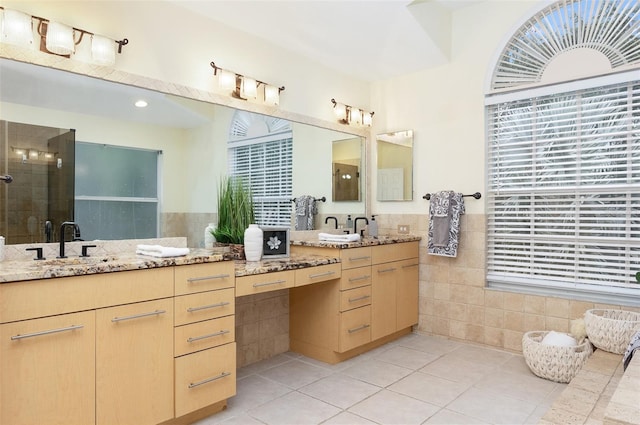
268 167
563 195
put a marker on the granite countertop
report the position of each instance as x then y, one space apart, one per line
366 241
295 261
21 270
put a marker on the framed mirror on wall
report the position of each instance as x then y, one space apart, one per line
394 167
346 160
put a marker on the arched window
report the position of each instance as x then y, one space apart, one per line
261 152
563 183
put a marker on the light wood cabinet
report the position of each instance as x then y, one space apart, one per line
47 370
374 301
134 355
265 282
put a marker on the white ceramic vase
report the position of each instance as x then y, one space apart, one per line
253 243
209 239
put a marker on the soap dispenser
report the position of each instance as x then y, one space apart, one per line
349 224
373 227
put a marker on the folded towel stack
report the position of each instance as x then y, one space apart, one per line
161 251
329 237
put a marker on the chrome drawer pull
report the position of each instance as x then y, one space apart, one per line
204 307
354 279
255 285
387 270
364 297
52 331
359 328
410 265
198 338
138 316
359 258
206 381
216 276
313 276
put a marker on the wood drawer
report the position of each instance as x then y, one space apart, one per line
205 378
354 278
394 252
48 297
316 274
202 335
355 257
204 306
355 328
355 298
265 282
204 277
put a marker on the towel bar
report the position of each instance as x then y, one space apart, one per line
323 199
476 195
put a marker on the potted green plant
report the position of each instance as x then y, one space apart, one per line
235 210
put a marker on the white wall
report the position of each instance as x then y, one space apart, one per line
444 106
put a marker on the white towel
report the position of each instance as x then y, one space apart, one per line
346 238
161 251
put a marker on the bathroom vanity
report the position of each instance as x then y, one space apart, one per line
130 339
374 301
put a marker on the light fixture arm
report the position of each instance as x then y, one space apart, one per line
238 76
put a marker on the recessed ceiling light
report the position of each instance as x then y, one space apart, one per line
141 103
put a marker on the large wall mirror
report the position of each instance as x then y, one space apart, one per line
395 166
192 136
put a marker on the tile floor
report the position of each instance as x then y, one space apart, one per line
416 379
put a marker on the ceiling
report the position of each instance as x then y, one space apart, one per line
369 39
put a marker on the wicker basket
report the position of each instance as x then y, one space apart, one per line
553 362
611 330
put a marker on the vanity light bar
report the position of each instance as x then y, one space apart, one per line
347 114
245 87
57 38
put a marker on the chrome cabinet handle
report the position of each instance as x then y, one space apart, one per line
329 273
198 338
204 307
216 276
48 332
138 316
359 328
364 297
354 279
410 265
366 257
256 285
391 269
206 381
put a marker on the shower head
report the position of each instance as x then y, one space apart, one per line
7 178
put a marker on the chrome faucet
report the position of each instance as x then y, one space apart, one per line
326 220
355 225
76 235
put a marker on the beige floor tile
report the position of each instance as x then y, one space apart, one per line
407 357
429 388
388 407
430 344
517 385
457 370
494 408
377 372
447 417
294 408
340 390
348 418
295 373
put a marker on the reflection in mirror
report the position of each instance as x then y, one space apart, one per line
192 135
395 166
41 161
346 158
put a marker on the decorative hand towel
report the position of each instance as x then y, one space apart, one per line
161 251
634 345
306 209
445 209
329 237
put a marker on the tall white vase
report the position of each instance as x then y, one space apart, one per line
253 243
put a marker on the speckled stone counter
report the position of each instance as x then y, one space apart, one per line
295 261
19 270
367 241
